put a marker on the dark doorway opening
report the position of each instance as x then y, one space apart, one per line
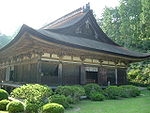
91 77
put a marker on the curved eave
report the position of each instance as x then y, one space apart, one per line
33 32
18 36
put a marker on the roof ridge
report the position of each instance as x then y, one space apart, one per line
73 13
77 11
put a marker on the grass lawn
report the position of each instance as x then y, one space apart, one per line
139 104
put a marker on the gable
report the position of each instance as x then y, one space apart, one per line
84 26
87 30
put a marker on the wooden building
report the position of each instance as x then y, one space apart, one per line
71 50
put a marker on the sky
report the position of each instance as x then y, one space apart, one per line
36 13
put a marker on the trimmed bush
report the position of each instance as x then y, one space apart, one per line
52 108
64 90
33 93
75 92
60 99
148 87
113 92
3 104
70 100
92 88
97 96
3 94
129 91
15 107
31 108
125 91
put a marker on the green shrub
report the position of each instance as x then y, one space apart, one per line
92 88
15 107
3 94
148 87
75 92
125 93
97 96
52 108
78 91
3 104
33 93
138 84
60 99
113 92
70 100
31 108
138 73
64 90
129 91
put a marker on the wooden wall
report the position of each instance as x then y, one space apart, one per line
54 74
21 73
71 74
102 74
26 73
122 76
2 74
49 73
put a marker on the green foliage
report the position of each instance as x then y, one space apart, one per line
60 99
130 105
110 23
52 108
145 24
129 91
125 91
148 87
33 93
3 104
129 25
70 100
31 108
4 40
3 94
113 92
92 88
139 73
75 92
15 107
97 96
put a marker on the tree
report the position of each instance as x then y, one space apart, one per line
110 24
130 11
4 40
129 25
145 24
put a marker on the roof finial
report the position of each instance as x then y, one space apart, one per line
86 7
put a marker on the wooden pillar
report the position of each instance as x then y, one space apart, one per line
60 80
7 76
99 76
116 76
116 73
38 72
82 75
